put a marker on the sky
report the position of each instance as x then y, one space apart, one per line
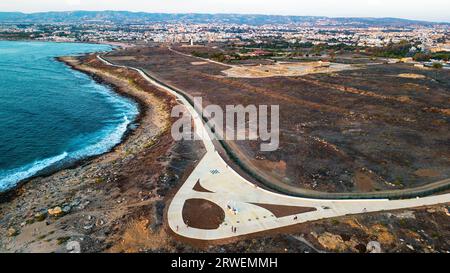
430 10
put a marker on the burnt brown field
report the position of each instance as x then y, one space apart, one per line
358 130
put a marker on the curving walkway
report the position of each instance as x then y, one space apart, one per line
228 188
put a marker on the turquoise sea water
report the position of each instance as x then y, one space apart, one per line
51 115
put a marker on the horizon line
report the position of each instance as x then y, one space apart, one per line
234 13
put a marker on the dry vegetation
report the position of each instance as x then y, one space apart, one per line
356 130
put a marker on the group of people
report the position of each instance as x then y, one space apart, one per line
233 229
232 210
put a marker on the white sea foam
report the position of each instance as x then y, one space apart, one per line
15 175
107 139
102 141
111 137
96 143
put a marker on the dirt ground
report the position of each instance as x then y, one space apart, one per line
202 214
286 69
364 130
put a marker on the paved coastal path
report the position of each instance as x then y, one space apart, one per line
227 189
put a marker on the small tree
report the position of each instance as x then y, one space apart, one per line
437 65
422 57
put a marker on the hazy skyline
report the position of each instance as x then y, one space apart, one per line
431 10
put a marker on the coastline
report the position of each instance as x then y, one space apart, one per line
114 45
112 188
10 193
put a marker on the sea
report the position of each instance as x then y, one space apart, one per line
50 115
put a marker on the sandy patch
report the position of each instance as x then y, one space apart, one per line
286 69
382 233
199 63
427 173
138 236
122 58
336 243
416 87
378 231
411 76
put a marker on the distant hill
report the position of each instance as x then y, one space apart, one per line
125 17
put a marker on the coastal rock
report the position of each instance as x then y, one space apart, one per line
40 216
73 247
88 227
83 205
75 203
99 222
57 211
66 209
373 247
12 232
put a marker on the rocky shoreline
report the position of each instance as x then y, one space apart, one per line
11 193
88 206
